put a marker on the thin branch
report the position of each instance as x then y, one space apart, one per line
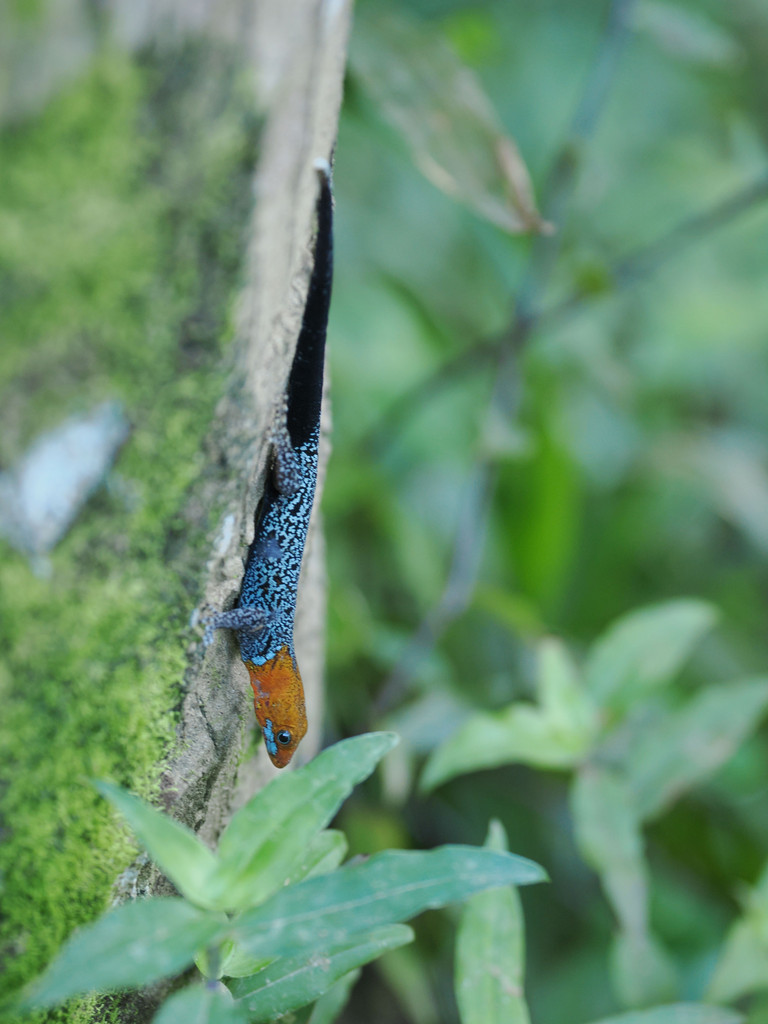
648 259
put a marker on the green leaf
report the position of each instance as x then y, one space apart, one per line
689 744
490 952
324 854
175 849
519 733
238 964
227 960
389 887
565 701
743 964
292 982
331 1003
135 944
608 835
645 650
677 1013
643 973
436 103
267 841
199 1004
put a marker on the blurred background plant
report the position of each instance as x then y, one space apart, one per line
535 434
547 506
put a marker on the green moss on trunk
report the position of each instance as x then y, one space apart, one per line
122 214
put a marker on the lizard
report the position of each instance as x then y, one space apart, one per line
263 616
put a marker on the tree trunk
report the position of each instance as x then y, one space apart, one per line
180 725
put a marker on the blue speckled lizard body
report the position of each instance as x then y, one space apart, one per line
273 567
264 615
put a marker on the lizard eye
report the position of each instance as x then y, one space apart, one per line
283 737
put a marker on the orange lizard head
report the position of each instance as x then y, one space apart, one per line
278 699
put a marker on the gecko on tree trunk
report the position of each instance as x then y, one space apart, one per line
264 614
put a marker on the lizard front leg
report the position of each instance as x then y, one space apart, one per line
251 619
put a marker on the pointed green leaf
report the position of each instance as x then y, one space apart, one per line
742 967
565 701
388 888
324 854
292 982
520 733
227 960
743 964
267 840
490 953
645 650
608 834
174 848
690 743
677 1013
239 964
199 1004
135 944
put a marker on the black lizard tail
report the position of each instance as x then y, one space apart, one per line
305 384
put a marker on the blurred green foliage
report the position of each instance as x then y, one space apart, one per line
595 495
626 467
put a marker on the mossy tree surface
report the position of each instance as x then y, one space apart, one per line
123 206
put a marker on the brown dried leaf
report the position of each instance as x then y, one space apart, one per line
437 104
